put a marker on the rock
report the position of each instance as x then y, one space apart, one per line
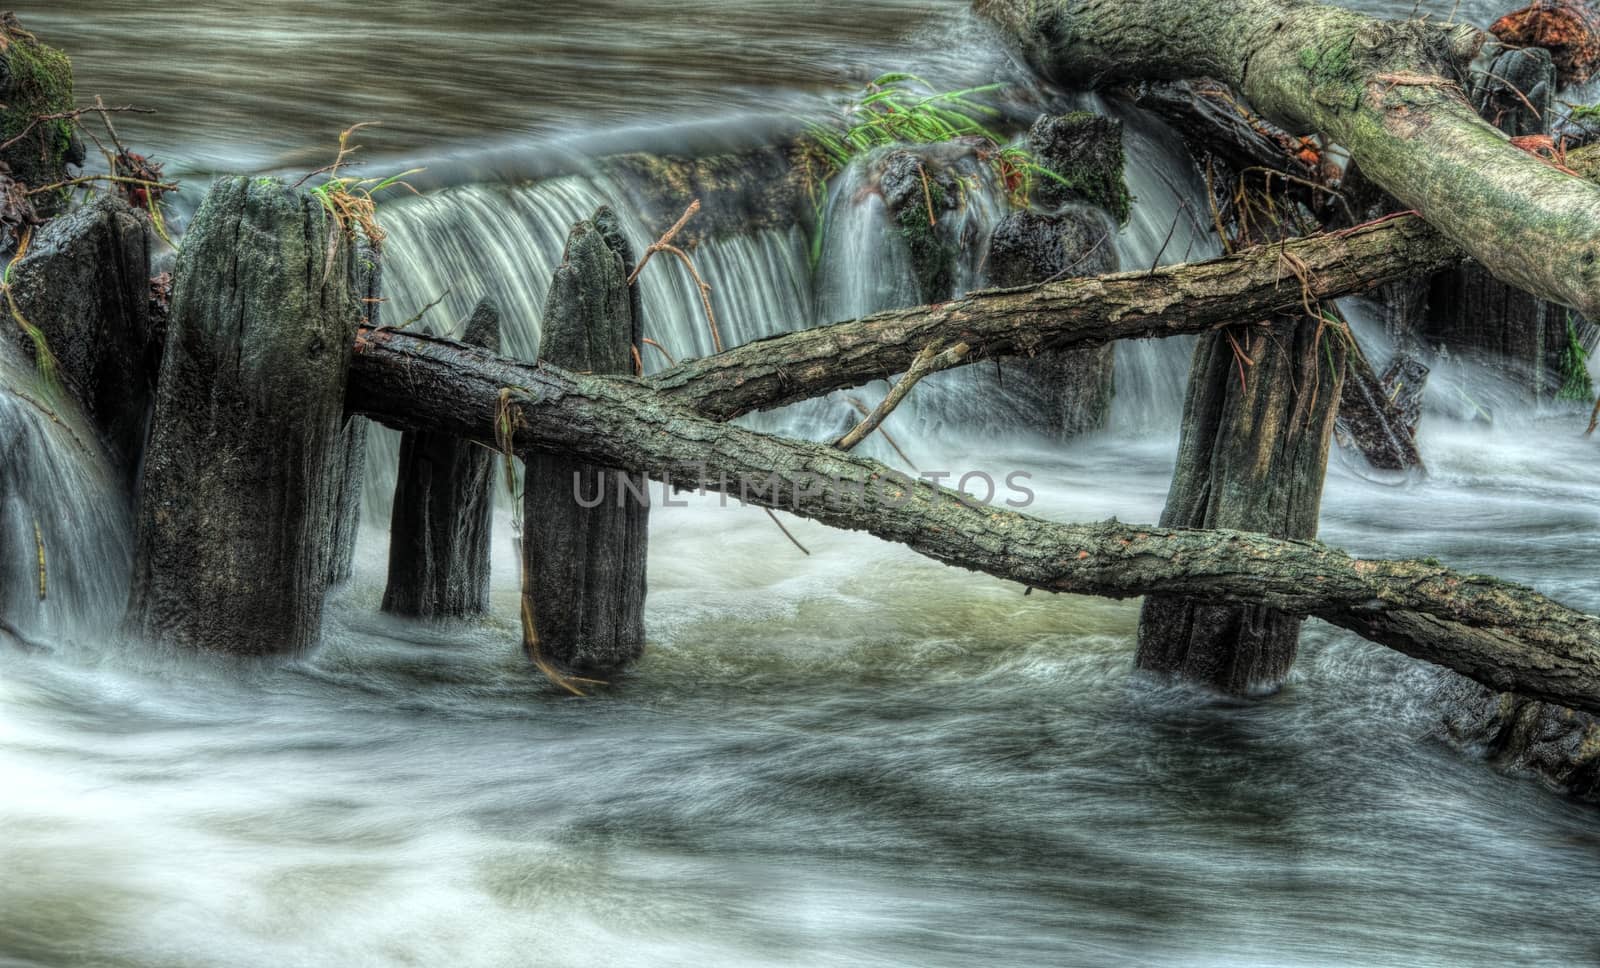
236 514
1030 247
85 286
919 190
1559 746
1072 388
35 80
1517 92
1085 152
739 192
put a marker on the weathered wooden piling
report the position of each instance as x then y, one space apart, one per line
1252 457
83 292
236 510
586 565
440 526
350 476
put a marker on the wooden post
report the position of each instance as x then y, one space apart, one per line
1257 422
443 500
235 515
586 565
1252 457
85 287
350 477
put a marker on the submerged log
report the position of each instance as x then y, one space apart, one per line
84 289
586 564
1388 91
235 513
443 499
1164 301
1501 634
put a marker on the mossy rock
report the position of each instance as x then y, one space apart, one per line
738 192
1084 152
919 190
35 80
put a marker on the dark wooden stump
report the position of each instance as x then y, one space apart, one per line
586 565
350 476
1470 313
235 516
1252 458
85 287
443 500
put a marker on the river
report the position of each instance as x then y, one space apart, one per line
857 757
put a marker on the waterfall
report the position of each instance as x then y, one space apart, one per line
504 241
60 503
508 240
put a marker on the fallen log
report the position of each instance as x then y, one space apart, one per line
1503 635
1387 91
1164 301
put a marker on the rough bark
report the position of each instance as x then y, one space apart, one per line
235 513
1165 301
586 565
1373 422
443 501
1501 634
1252 456
349 480
1388 91
85 286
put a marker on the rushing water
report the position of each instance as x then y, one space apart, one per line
859 757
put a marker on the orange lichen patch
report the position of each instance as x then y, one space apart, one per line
1309 154
1568 29
1551 153
1082 555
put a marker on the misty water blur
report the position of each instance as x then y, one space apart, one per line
857 757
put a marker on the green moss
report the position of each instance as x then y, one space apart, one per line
1079 157
1332 71
933 258
41 83
1575 383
